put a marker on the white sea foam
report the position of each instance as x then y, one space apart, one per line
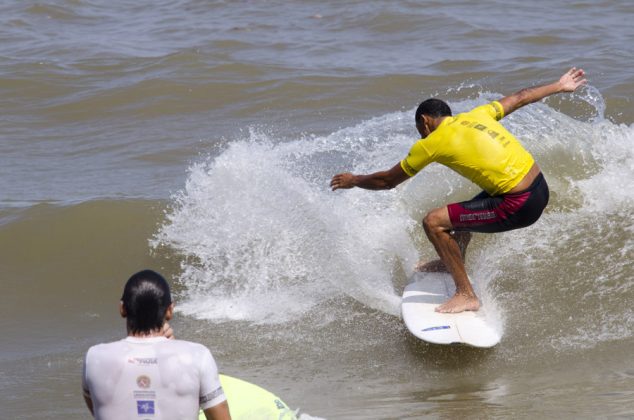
268 240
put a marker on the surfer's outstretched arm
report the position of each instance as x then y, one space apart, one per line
382 180
569 82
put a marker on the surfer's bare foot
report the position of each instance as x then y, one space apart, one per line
459 303
435 266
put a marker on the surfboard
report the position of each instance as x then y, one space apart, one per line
421 297
248 401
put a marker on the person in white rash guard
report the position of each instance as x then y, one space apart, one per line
148 375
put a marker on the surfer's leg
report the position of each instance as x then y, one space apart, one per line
438 229
437 266
462 239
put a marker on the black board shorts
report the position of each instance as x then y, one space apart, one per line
489 214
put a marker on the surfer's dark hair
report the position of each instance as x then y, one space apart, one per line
146 297
432 107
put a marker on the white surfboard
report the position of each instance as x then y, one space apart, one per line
421 297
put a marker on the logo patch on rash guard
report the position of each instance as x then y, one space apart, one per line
407 167
212 395
499 111
145 407
143 381
143 361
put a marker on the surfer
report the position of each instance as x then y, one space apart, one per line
478 147
147 374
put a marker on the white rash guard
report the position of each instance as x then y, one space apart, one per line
151 378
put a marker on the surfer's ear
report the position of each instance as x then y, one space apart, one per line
122 310
170 312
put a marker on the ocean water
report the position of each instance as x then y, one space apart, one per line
198 139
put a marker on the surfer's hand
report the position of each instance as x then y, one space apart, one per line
572 79
167 331
345 180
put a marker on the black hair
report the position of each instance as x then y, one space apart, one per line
432 107
146 297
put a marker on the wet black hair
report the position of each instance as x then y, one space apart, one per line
146 297
432 107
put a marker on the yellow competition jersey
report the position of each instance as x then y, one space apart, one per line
477 146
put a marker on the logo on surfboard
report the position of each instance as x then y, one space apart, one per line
440 327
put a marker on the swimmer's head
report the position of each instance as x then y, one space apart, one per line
431 109
146 302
